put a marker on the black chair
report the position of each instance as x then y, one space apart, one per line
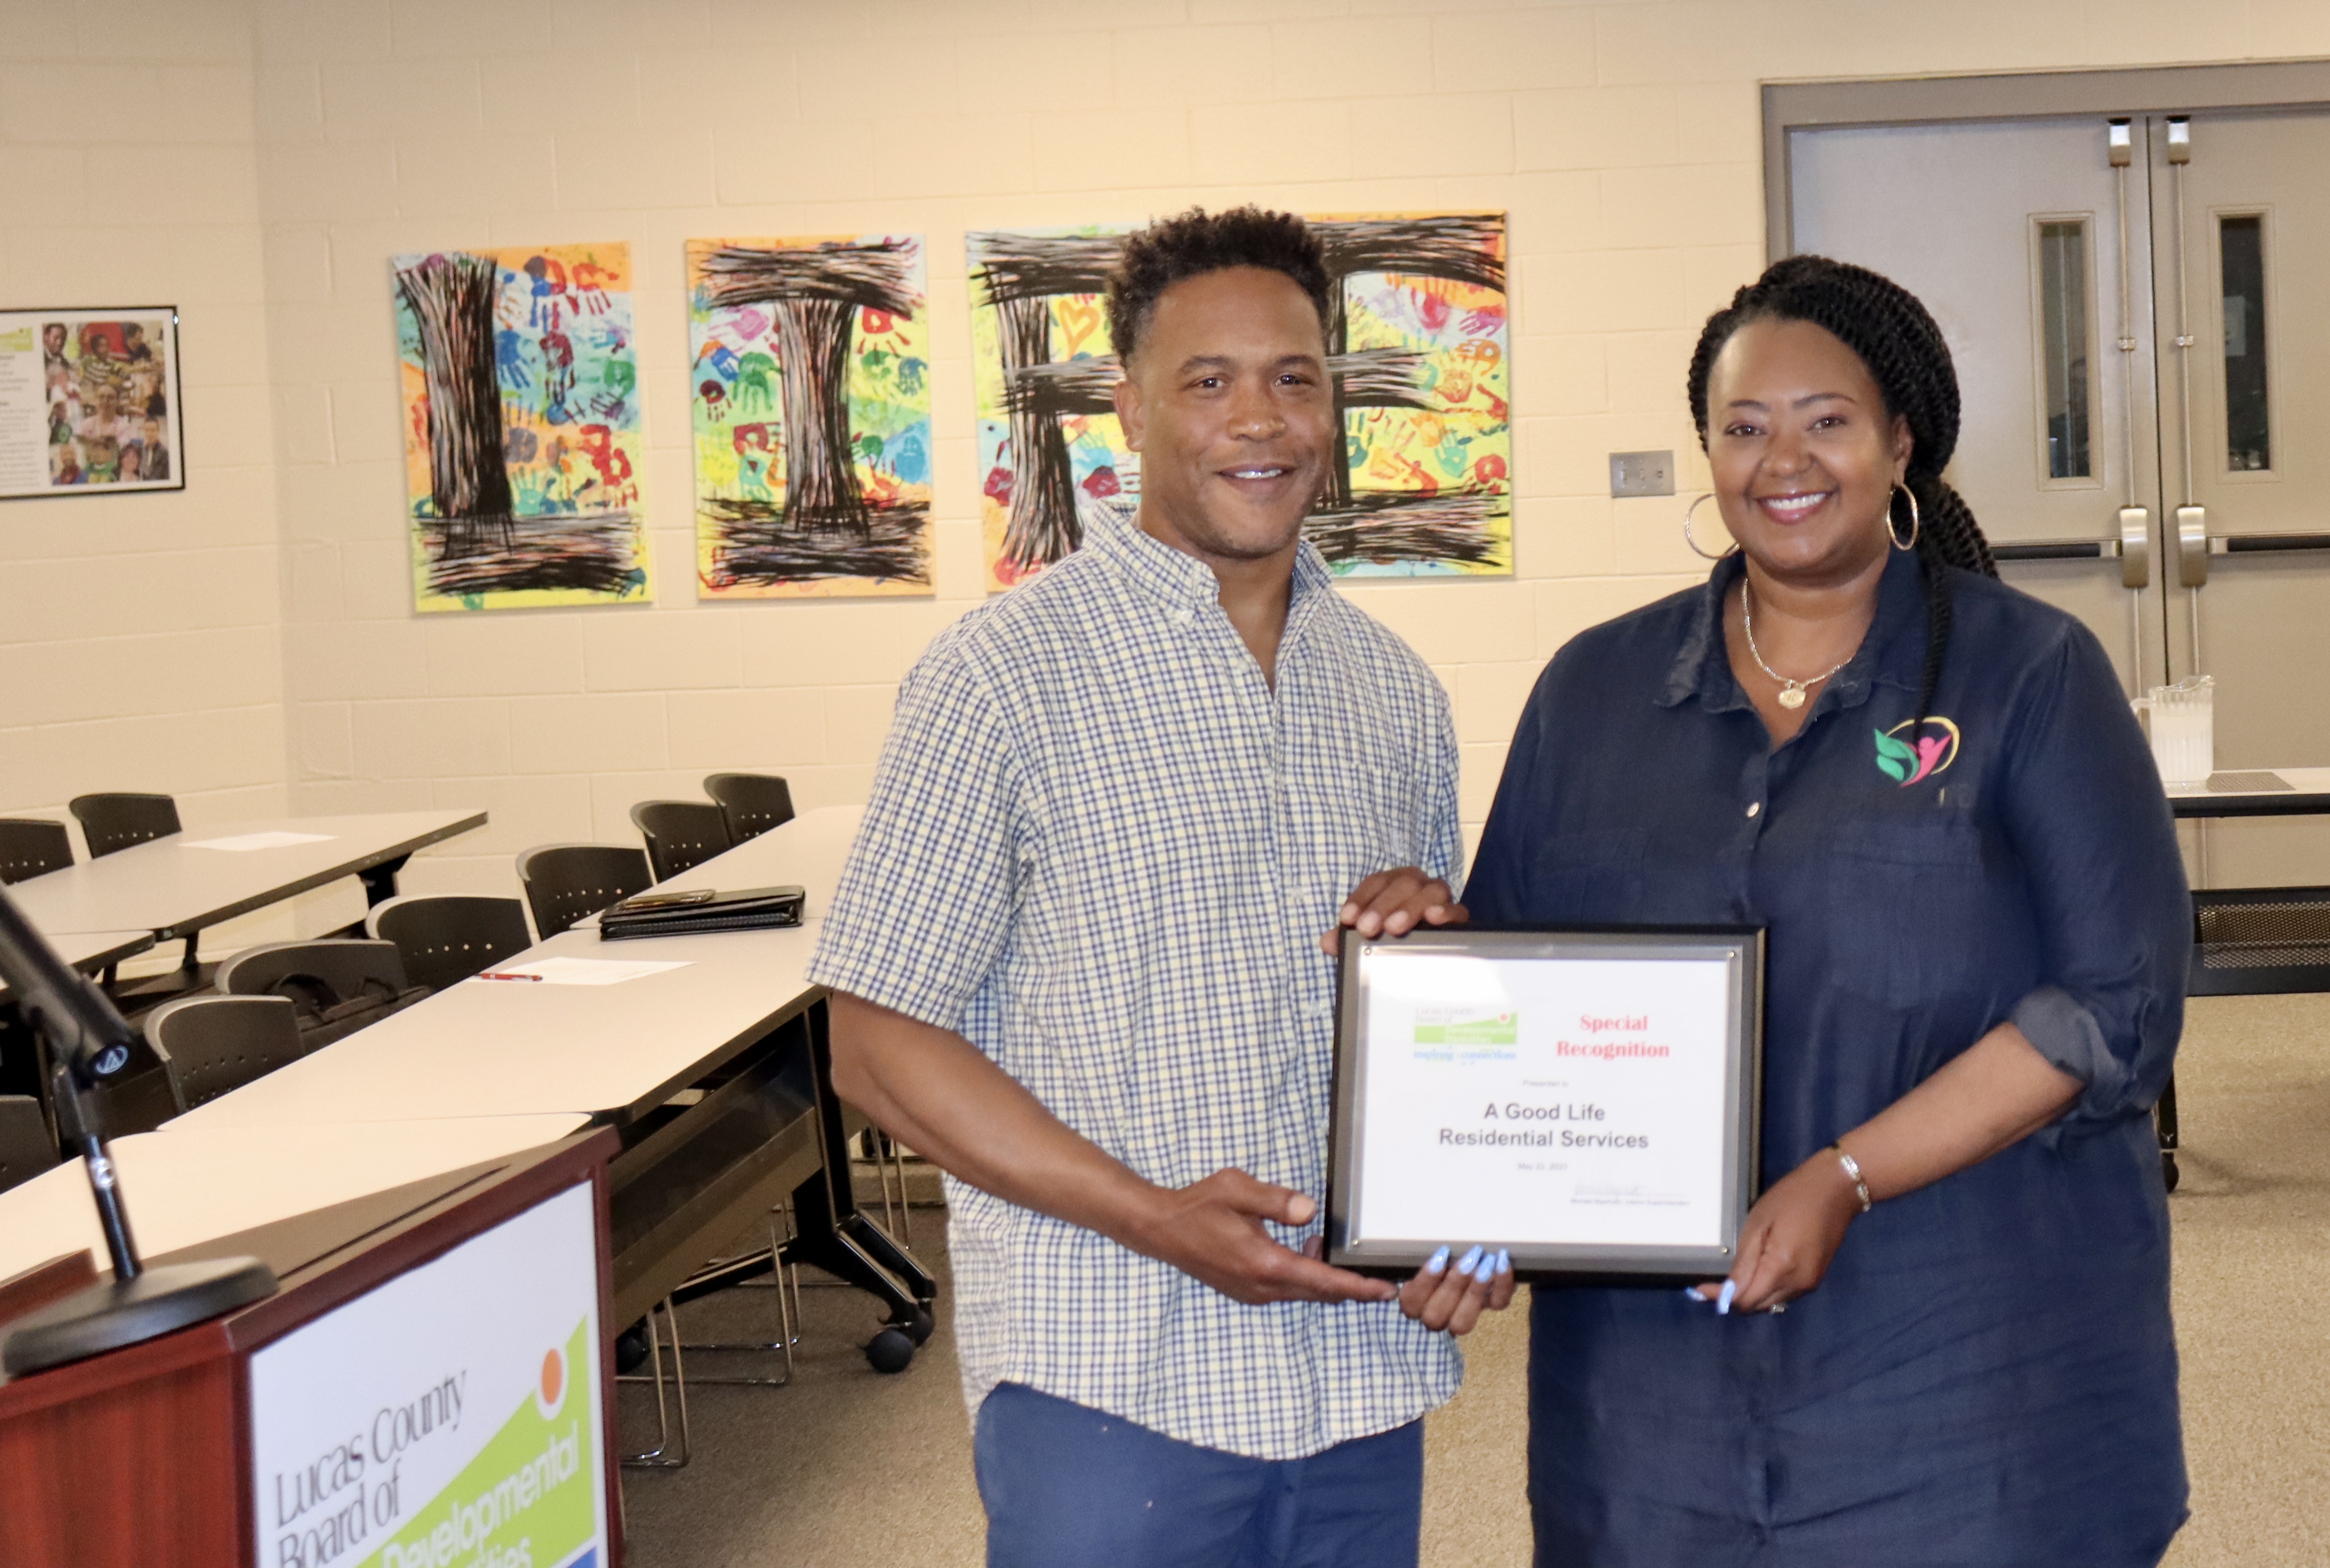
565 881
338 986
680 834
25 1150
752 802
446 938
111 822
210 1045
33 846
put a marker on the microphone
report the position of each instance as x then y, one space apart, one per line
88 1041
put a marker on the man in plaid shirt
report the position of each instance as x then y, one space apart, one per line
1077 961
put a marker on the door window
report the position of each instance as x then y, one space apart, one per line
2066 347
2241 248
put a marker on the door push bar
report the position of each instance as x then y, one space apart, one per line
2131 549
2195 544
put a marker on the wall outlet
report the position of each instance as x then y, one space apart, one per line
1641 473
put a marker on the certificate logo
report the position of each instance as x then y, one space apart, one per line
1456 1025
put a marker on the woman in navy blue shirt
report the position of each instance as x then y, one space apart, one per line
1947 1337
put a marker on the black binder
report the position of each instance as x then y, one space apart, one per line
681 914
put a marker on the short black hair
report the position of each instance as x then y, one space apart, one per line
1193 243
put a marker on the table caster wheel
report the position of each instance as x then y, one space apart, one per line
917 1327
889 1351
2168 1170
631 1349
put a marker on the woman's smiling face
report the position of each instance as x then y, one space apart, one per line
1803 453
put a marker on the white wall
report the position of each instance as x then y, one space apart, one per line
1623 139
140 634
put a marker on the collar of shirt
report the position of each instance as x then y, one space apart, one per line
1185 586
1892 654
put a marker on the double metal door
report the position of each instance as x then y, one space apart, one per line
2139 309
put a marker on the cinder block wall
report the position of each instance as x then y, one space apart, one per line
140 634
1623 139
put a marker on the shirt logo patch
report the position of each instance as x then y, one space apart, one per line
1907 762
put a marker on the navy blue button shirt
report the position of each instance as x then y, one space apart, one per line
1988 1373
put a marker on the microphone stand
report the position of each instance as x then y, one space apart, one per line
88 1041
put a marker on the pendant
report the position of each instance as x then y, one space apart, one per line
1791 697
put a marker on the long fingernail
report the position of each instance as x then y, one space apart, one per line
1691 1293
1439 1262
1471 1258
1723 1301
1504 1260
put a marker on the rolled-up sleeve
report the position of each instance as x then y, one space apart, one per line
925 904
2088 818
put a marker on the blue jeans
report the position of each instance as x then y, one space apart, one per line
1067 1487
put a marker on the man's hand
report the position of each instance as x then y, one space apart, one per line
1392 903
1211 1231
1440 1296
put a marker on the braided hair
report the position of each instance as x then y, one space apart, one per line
1907 356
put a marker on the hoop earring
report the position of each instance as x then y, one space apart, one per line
1900 543
1687 539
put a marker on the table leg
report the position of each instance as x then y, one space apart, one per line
833 1235
380 880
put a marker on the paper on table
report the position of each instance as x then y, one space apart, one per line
565 971
276 840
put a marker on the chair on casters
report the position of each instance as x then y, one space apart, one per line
338 985
680 834
446 938
210 1045
116 821
33 846
565 881
752 802
25 1150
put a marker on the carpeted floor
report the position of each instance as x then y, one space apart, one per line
849 1467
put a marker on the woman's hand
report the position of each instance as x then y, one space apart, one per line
1790 1235
1441 1297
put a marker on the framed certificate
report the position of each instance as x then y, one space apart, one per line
1587 1099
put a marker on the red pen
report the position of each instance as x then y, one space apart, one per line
499 974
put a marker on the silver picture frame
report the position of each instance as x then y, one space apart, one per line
1739 950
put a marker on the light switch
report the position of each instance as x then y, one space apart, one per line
1641 473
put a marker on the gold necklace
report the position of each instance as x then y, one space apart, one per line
1792 693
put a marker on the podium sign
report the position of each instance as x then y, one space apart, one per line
450 1416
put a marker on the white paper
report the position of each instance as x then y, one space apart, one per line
566 971
1578 1101
245 841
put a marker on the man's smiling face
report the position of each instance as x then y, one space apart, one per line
1229 403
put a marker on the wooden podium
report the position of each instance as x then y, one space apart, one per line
147 1457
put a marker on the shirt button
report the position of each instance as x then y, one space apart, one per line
1754 807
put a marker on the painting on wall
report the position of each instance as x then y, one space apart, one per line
1051 454
1417 344
811 408
523 448
89 401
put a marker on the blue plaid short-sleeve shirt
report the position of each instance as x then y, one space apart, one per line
1101 847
